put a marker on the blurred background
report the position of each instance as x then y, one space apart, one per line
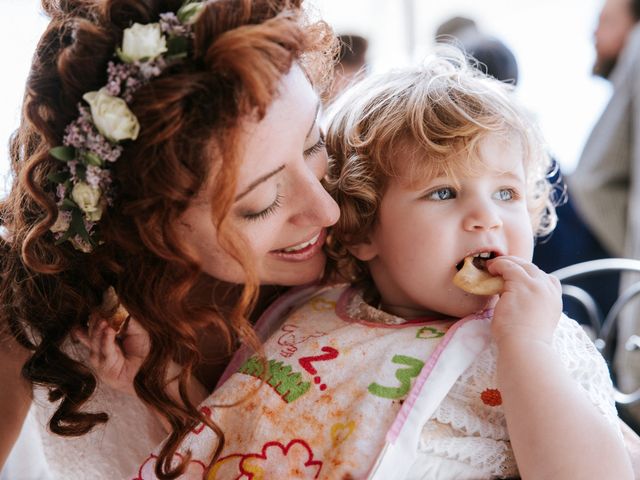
552 42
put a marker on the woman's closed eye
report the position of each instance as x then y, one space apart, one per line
441 193
264 213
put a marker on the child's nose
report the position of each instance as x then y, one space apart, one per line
481 216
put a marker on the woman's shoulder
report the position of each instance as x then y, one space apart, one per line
112 450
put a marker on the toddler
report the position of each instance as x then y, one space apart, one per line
399 373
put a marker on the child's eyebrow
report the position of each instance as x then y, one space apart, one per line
511 175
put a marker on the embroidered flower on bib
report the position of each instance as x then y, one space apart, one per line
491 397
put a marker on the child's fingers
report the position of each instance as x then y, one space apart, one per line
508 269
80 335
498 264
109 349
95 335
517 271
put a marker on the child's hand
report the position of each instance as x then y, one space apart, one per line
115 359
531 303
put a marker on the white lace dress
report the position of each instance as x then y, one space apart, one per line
467 436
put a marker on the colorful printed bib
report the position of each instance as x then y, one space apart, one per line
322 404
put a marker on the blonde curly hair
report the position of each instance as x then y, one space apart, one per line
418 123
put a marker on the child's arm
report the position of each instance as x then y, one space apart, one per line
555 430
632 442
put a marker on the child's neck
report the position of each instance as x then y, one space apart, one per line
409 313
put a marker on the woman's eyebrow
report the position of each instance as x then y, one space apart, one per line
259 180
268 175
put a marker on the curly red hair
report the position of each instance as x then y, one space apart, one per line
188 117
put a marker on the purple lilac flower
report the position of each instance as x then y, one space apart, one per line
61 191
93 175
76 131
88 225
141 73
79 244
152 69
131 85
98 144
119 74
170 25
72 169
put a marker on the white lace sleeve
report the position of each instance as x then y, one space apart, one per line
586 366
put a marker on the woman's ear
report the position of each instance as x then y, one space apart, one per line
364 251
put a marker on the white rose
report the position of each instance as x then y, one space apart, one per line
143 42
112 116
88 199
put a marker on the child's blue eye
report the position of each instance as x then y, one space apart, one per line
443 193
505 194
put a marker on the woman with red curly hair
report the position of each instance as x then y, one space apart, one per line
167 165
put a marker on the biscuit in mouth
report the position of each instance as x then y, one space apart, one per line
474 278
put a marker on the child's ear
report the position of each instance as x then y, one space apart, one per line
364 251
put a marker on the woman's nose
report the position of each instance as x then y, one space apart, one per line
316 207
481 216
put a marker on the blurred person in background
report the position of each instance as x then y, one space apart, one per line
606 184
456 27
491 55
352 63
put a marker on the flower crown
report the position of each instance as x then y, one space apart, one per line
91 144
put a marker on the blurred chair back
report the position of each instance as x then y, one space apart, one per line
604 323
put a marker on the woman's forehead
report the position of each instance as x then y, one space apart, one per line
280 136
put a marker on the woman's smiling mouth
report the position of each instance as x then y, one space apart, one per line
304 250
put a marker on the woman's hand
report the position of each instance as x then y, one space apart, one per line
115 357
531 303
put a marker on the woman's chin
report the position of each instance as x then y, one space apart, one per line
294 274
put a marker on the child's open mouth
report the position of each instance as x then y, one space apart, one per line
479 260
473 276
